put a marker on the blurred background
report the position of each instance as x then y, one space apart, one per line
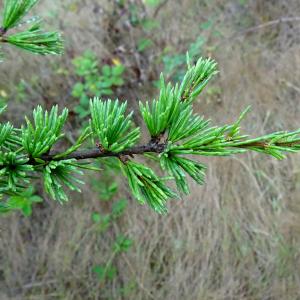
236 237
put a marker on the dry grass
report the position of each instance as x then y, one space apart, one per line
238 236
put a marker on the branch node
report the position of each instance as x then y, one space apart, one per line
100 147
124 158
2 31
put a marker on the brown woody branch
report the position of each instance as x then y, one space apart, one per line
98 153
2 31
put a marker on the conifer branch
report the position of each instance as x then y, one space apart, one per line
33 38
151 147
178 135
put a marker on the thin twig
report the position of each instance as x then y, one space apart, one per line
264 25
97 153
2 31
159 7
291 85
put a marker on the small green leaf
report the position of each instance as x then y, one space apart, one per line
23 202
96 217
106 70
150 24
119 207
78 90
206 25
122 244
144 44
105 272
104 84
118 70
106 92
118 81
152 2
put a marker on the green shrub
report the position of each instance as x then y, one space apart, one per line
94 82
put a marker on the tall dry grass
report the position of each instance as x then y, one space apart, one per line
238 236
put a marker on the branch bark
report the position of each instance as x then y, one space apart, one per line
152 147
264 25
97 153
2 31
